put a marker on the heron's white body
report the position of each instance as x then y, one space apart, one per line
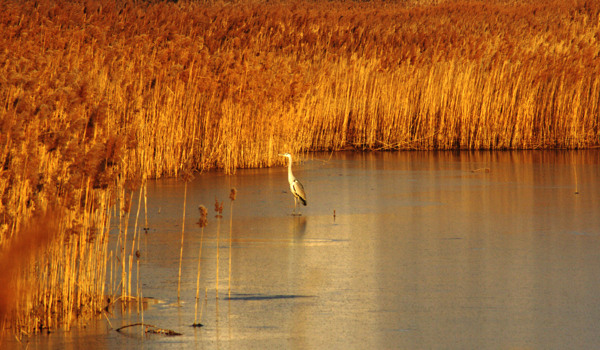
295 185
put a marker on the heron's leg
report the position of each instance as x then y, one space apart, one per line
295 204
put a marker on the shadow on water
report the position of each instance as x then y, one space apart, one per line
395 250
252 297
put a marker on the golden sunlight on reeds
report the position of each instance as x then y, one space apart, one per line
97 96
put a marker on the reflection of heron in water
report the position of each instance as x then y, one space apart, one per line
299 227
295 185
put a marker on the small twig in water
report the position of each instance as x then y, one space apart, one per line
150 329
107 320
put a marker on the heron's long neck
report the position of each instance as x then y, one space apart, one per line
290 175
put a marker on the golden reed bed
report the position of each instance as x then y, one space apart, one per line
97 96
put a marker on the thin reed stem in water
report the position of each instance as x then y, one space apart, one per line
574 165
142 307
124 217
202 224
182 233
135 236
145 204
204 303
217 268
232 197
219 210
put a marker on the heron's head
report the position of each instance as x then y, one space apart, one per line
285 155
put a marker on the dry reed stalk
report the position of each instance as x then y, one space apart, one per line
141 301
232 196
146 228
574 165
219 211
135 231
111 281
124 228
202 223
203 304
181 250
138 256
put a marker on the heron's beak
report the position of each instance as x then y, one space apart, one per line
283 155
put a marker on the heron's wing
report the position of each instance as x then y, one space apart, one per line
298 190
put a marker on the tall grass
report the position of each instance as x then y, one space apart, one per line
197 85
97 96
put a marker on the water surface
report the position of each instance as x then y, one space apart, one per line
458 250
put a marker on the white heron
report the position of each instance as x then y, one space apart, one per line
295 185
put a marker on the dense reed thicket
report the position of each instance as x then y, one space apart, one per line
95 96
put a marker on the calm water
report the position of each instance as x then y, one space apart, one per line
456 250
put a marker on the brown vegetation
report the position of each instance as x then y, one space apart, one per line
95 96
